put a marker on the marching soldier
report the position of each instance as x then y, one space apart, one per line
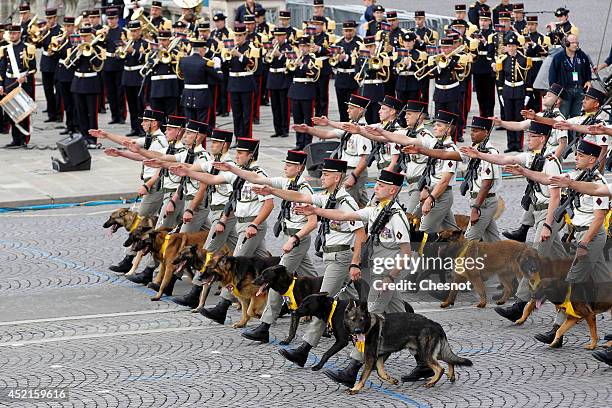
64 75
256 41
429 38
152 196
295 227
164 91
85 84
220 33
25 18
278 82
321 42
543 199
17 68
241 85
343 62
482 72
247 9
132 52
48 64
4 118
197 72
503 7
476 10
387 221
284 20
354 148
518 13
372 78
536 48
512 69
113 68
337 241
305 70
318 10
589 277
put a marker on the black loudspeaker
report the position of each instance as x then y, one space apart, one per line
316 153
75 154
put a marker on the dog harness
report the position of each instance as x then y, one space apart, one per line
289 297
462 253
567 305
136 223
423 241
331 315
164 246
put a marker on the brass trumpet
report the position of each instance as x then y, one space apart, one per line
121 52
270 55
437 61
57 42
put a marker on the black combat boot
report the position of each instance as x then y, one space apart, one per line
347 376
260 333
169 289
519 234
217 313
605 356
512 313
143 277
298 355
420 372
124 266
549 336
190 299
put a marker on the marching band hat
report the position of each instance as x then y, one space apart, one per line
304 40
318 20
589 148
203 26
248 19
532 19
195 43
280 31
155 3
334 165
260 12
14 28
195 126
540 129
110 13
221 135
219 17
378 7
296 157
176 121
561 11
504 15
511 39
460 7
349 25
94 13
68 20
358 101
519 7
134 25
419 13
239 28
485 14
369 40
87 29
246 144
446 41
51 12
479 122
392 102
284 14
391 15
318 3
164 34
391 177
446 117
410 36
596 94
24 7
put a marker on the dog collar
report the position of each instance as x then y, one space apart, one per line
235 291
289 297
136 223
423 242
331 315
164 246
567 305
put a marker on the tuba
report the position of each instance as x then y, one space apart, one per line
147 26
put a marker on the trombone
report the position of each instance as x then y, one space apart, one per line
270 54
58 42
85 50
440 61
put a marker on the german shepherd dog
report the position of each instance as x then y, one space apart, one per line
555 288
165 251
386 334
239 272
279 279
496 258
125 218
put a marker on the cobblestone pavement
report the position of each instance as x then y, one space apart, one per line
66 321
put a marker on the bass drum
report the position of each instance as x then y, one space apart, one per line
541 80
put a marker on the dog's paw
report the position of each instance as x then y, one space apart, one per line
500 302
445 304
393 380
352 391
481 305
591 346
238 325
284 342
452 379
316 367
155 298
429 384
520 321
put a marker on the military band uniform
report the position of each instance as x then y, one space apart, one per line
63 77
302 93
241 87
131 81
112 73
197 98
345 83
537 50
484 77
321 102
278 86
221 99
373 88
48 64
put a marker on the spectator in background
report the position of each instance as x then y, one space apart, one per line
571 69
606 63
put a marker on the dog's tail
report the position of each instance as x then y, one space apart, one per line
447 355
501 207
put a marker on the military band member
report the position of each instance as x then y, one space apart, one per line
113 68
475 11
373 78
263 27
512 69
353 149
152 196
343 63
63 75
409 59
164 83
503 7
220 33
536 48
322 40
17 68
266 31
133 56
247 9
428 38
25 17
483 74
318 10
295 227
372 27
241 85
305 71
4 118
393 239
340 263
518 16
48 64
590 278
156 17
562 26
256 42
284 21
278 81
543 199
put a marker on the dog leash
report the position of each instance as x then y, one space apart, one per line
343 289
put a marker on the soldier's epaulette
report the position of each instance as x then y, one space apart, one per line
490 38
30 49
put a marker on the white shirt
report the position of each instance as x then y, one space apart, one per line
417 163
295 221
221 192
397 230
443 166
158 144
356 146
340 232
172 181
556 134
584 216
249 204
201 156
387 151
552 167
486 171
601 140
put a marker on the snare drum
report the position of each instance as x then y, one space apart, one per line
18 104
